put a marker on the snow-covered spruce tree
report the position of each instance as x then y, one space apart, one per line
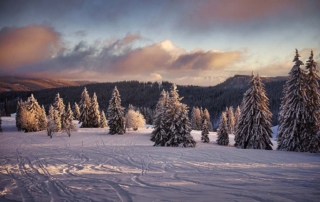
196 119
116 120
236 117
43 119
230 120
28 121
159 133
67 124
134 119
223 136
34 108
293 124
103 120
205 132
94 112
312 142
57 120
254 128
206 116
85 103
51 112
76 111
176 117
59 106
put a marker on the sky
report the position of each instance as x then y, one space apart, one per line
188 42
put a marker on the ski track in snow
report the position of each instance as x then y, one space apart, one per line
34 167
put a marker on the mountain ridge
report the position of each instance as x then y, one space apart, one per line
12 83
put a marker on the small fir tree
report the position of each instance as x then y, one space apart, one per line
57 120
205 132
292 131
103 120
76 111
59 106
85 103
236 117
43 119
94 112
254 128
223 136
206 117
159 133
68 126
231 122
116 120
196 119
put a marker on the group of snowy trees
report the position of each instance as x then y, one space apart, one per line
171 123
60 119
198 116
228 124
88 113
117 121
30 117
299 128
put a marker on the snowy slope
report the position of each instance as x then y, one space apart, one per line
94 166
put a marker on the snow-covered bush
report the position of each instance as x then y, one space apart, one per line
134 119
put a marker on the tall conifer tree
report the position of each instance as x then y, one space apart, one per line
312 142
177 120
85 103
94 112
116 120
76 111
294 114
254 128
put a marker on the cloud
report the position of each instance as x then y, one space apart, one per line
243 10
27 45
119 59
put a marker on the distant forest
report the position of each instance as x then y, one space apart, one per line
146 94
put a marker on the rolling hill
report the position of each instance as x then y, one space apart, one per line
10 83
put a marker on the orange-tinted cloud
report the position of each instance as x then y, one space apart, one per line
27 45
113 59
245 9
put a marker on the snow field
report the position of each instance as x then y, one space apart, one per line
92 165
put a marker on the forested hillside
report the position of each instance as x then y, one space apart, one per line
11 83
140 94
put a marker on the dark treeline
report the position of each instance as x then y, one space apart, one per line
140 94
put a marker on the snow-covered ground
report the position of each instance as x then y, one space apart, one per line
94 166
